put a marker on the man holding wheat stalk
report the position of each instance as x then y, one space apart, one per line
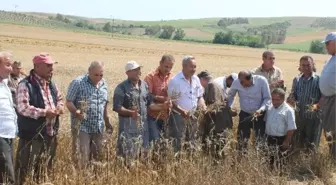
87 101
131 100
187 92
39 105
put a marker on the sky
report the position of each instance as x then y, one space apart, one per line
175 9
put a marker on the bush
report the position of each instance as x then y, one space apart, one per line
107 27
167 32
152 30
238 39
179 34
223 38
317 47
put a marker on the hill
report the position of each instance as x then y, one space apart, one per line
296 35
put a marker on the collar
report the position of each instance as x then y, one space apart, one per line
281 106
100 83
157 72
130 82
262 69
312 76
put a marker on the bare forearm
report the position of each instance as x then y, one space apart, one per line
159 99
156 107
177 108
124 112
289 135
71 107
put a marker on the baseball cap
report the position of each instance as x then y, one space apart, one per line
234 76
131 65
43 58
203 74
331 36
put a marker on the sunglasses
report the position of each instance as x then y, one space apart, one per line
98 75
271 58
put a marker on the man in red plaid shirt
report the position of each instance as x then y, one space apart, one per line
39 104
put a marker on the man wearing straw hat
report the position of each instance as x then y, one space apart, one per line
328 89
39 105
131 100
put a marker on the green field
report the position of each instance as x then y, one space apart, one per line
196 29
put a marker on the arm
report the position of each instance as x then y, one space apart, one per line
108 124
118 100
149 80
60 103
232 93
291 127
266 95
23 106
171 90
293 95
72 94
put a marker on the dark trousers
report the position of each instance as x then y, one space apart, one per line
32 154
244 129
6 161
275 152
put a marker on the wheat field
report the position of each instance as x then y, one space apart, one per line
74 52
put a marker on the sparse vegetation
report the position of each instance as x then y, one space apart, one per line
326 23
317 47
225 22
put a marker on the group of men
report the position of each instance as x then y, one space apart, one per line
161 106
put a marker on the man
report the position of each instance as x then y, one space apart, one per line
254 96
305 93
226 82
268 70
15 77
131 100
217 121
157 82
8 126
87 131
280 125
187 92
328 89
39 105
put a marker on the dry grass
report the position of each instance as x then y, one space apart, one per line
74 52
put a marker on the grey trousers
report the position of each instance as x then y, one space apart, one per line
182 132
329 122
32 154
86 146
6 161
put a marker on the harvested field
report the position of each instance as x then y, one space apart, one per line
74 52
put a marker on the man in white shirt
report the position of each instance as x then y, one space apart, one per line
186 92
8 118
280 124
226 81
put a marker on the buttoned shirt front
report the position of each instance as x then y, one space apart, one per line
252 98
280 120
188 93
327 83
8 123
158 86
96 98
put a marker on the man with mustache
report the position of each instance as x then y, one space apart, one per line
39 105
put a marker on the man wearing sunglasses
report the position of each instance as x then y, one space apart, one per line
87 100
268 70
328 89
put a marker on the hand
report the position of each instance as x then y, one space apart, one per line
167 104
79 115
233 112
59 110
258 113
51 113
285 146
135 115
291 102
109 128
315 107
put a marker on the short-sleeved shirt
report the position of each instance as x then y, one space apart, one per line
188 93
272 76
328 78
306 92
158 86
280 120
128 96
81 89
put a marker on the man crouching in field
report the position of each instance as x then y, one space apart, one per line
39 105
218 120
87 100
131 100
280 125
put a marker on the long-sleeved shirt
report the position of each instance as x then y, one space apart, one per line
8 126
328 78
13 83
25 109
253 98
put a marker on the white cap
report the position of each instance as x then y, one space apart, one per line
234 76
131 65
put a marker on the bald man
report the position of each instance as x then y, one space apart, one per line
254 97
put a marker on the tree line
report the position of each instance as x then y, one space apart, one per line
165 32
326 23
225 22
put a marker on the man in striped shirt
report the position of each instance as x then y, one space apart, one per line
87 100
15 77
306 93
39 105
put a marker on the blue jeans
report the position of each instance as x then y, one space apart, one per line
155 128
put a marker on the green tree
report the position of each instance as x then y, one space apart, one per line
107 27
179 34
223 38
152 30
167 32
59 17
317 47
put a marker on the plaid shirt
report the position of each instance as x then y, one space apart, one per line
25 109
81 89
158 86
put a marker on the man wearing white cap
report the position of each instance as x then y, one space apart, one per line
131 100
328 89
226 81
